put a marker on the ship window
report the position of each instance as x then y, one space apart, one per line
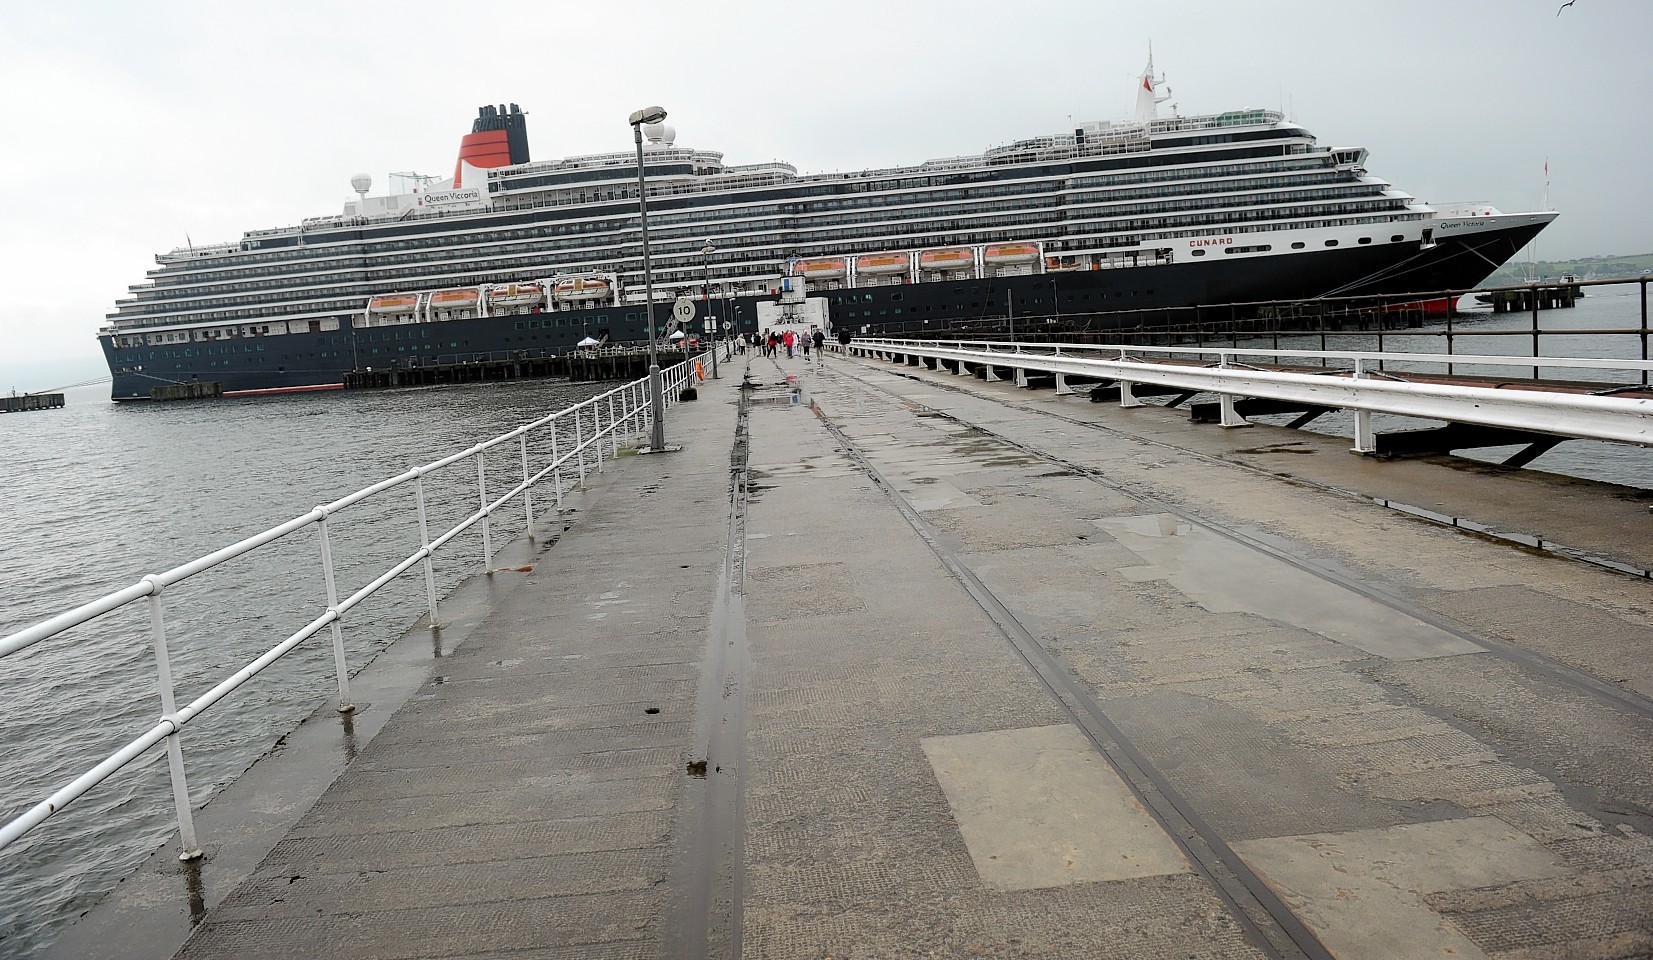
1397 238
517 325
1365 239
1331 243
1199 253
1297 245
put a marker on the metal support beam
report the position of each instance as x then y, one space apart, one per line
1456 436
1365 436
1533 451
1230 416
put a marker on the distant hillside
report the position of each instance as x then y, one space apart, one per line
1588 268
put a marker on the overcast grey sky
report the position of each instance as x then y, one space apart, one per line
131 126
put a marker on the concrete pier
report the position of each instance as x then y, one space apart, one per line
21 402
888 662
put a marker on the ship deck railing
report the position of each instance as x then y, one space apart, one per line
555 451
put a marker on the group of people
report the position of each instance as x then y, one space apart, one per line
772 342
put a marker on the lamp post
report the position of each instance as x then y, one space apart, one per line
657 393
706 287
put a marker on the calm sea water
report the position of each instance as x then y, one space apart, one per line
96 495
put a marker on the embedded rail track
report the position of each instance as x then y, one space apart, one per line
1268 921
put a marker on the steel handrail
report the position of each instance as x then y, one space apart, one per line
1566 414
1005 353
632 406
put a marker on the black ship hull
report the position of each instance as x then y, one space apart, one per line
319 360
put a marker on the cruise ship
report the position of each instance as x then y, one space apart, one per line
512 257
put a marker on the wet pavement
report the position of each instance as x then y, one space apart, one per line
888 663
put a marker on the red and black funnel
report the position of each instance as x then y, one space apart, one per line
498 138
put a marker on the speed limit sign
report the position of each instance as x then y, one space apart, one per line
683 310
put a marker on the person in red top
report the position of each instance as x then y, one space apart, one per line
790 339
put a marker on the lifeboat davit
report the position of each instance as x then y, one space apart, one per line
394 303
515 295
824 268
947 259
582 288
881 264
1001 254
458 298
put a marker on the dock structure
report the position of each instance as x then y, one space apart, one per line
890 662
1551 296
23 402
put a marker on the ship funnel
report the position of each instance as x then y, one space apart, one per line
498 138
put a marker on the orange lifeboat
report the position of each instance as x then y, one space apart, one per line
581 288
1001 254
458 298
824 268
947 258
394 303
881 264
508 295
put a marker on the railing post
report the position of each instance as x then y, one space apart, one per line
189 848
597 436
345 706
1535 370
1449 341
579 444
631 407
613 429
527 488
1365 437
424 542
1644 330
482 500
556 474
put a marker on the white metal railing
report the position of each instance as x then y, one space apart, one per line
597 426
1360 384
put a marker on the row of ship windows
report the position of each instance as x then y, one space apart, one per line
1296 245
521 184
1216 170
1083 238
1249 193
840 312
801 236
691 252
668 218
